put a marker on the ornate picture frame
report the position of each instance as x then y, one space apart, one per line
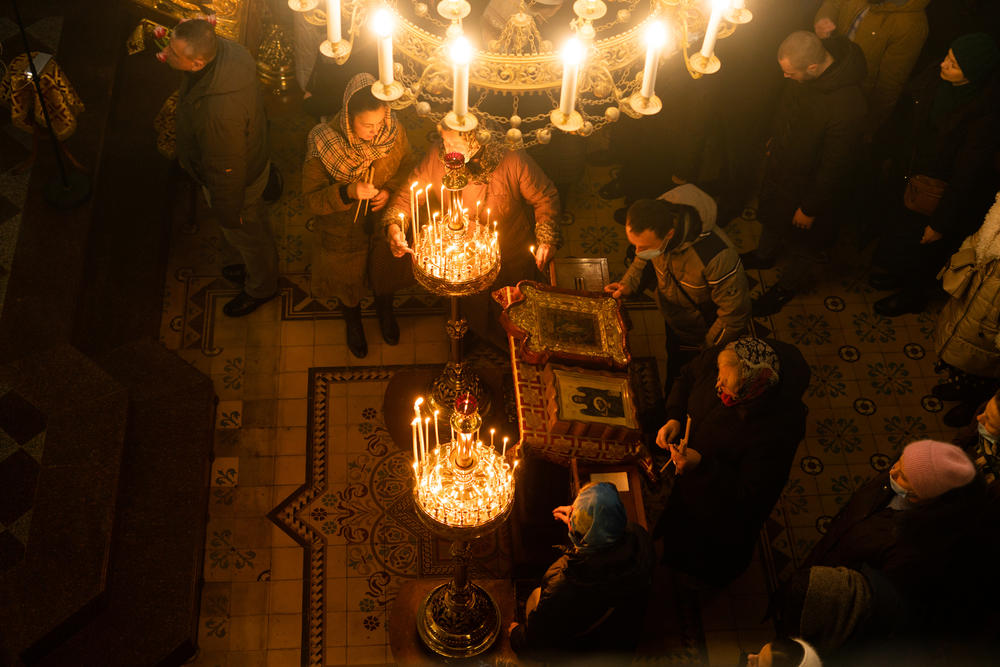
549 323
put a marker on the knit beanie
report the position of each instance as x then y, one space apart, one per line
933 468
977 55
811 658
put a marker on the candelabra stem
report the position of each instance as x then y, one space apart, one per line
457 378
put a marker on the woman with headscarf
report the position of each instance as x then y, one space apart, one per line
521 199
353 164
593 598
949 133
743 404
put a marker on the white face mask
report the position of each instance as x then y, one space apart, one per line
651 253
900 491
986 435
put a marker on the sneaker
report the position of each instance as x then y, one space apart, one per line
611 190
244 304
960 415
356 341
771 301
884 281
900 303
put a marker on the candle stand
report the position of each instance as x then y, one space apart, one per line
454 255
463 490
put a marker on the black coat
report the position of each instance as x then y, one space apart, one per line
959 148
816 134
716 510
580 587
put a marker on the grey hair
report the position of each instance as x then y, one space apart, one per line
802 49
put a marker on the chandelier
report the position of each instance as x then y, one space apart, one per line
463 489
522 84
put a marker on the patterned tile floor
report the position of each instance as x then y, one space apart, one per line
869 395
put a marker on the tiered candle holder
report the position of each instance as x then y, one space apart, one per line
463 490
454 255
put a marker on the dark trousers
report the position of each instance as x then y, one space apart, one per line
901 254
803 248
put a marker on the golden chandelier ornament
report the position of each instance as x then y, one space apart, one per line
521 84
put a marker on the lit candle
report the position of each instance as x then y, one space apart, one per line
413 211
504 452
492 433
416 459
461 54
477 211
427 435
416 411
333 32
382 25
712 31
427 200
572 53
656 37
437 436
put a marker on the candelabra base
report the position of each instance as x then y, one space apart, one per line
458 623
703 65
388 92
457 379
339 51
647 106
465 123
739 16
566 123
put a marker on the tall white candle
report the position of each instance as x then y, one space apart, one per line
572 55
420 431
461 54
416 458
656 36
427 435
382 25
712 31
333 31
437 436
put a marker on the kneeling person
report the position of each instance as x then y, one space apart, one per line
594 597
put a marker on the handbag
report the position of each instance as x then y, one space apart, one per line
955 277
923 194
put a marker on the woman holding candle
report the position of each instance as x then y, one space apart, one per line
511 190
353 162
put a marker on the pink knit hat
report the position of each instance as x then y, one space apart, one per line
933 468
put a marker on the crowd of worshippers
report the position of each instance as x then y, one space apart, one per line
855 135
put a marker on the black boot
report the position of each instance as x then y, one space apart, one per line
387 319
356 342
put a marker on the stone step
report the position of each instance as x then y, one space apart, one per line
151 611
62 429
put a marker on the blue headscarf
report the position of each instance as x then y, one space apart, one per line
598 518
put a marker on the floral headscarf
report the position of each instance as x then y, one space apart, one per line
758 368
598 518
345 156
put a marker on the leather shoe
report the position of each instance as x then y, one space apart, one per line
771 301
611 190
235 273
387 323
244 304
754 260
960 415
356 341
884 281
898 304
950 390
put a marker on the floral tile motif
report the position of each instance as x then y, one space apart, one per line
229 414
600 240
889 378
827 381
838 434
808 329
873 328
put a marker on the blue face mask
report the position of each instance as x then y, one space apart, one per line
986 435
900 491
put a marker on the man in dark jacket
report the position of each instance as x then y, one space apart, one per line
816 137
744 403
592 599
222 144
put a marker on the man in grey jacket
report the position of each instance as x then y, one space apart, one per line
222 144
701 287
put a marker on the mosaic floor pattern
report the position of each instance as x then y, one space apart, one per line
869 395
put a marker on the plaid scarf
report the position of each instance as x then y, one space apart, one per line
345 156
